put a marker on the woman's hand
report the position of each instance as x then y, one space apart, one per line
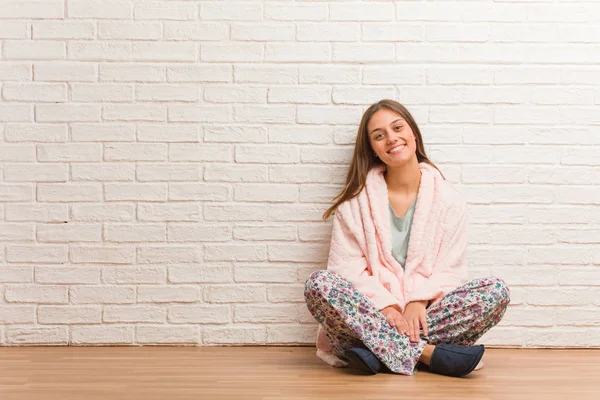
415 314
395 318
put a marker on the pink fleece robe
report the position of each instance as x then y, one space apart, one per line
361 248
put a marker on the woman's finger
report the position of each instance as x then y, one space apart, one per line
411 330
424 325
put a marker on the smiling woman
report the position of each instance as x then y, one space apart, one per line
395 292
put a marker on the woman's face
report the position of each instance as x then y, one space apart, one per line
391 138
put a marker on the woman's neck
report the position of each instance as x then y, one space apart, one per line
404 181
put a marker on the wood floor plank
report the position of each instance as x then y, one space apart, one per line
277 373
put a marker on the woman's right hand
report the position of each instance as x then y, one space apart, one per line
396 319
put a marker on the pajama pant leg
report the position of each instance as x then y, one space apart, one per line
467 312
350 319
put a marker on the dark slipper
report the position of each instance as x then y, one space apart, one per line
363 360
455 360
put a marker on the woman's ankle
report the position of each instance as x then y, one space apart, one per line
426 355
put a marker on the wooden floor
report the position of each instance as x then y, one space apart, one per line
207 373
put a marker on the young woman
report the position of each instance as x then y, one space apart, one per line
395 291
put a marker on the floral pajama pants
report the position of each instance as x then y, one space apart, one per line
350 319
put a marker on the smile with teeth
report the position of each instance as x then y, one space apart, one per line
397 149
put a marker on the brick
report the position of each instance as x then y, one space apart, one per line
235 252
195 31
134 112
262 32
36 173
69 314
169 254
58 335
129 30
67 113
250 334
16 192
331 74
397 32
341 155
361 95
313 232
99 51
191 232
68 192
108 334
101 92
327 114
236 294
36 294
236 11
236 173
235 212
168 212
36 253
35 92
286 293
17 314
165 11
297 52
138 72
266 232
34 50
296 12
65 71
17 153
16 113
298 252
102 212
167 172
200 274
123 233
135 192
203 113
128 275
297 94
203 314
153 92
167 133
362 12
102 255
278 74
198 191
266 192
104 132
15 30
301 174
291 334
130 313
37 212
36 133
200 73
103 172
295 212
64 30
135 152
73 232
163 51
235 94
103 294
266 154
16 274
15 71
168 294
265 313
105 9
167 334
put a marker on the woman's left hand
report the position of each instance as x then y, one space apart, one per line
416 315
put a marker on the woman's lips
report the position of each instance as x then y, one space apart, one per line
397 149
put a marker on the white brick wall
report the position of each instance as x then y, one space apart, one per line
164 164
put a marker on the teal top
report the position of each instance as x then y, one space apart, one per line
400 227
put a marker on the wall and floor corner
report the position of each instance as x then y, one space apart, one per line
164 164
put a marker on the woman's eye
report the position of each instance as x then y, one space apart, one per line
399 127
378 136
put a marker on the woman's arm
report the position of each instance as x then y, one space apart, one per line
347 258
450 269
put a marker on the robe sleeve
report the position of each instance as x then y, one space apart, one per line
450 268
347 258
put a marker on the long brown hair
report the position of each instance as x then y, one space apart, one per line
363 159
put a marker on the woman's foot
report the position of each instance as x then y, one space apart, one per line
452 359
363 360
